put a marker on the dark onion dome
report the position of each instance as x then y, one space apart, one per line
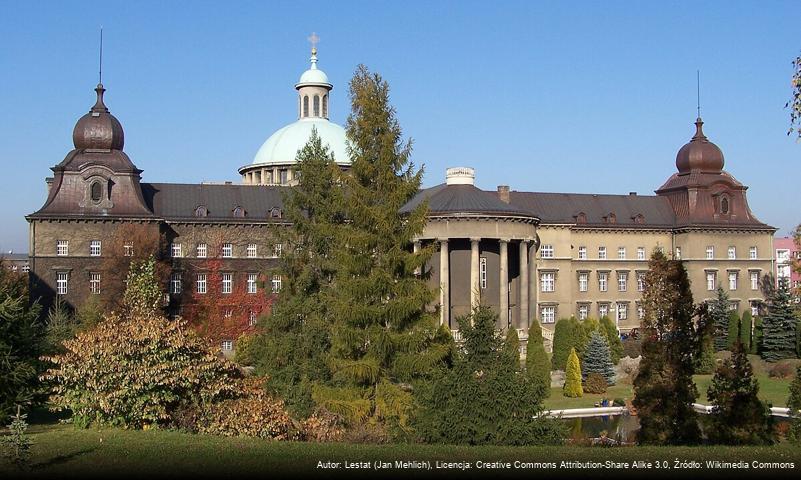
699 154
98 129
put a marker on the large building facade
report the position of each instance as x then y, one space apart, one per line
531 256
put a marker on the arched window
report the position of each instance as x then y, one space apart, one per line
239 212
325 106
639 218
275 212
581 217
724 205
305 106
316 105
201 211
612 218
96 191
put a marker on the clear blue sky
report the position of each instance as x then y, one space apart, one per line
543 96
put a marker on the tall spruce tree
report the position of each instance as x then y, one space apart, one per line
568 334
538 367
719 315
382 338
597 358
779 326
294 339
664 390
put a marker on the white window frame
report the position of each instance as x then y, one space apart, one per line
175 283
227 283
677 255
547 282
227 345
754 278
640 253
62 248
546 251
201 285
603 310
252 318
482 273
752 253
252 282
583 282
601 253
583 311
582 253
94 283
640 312
275 284
621 253
640 282
94 248
176 249
731 252
603 281
202 250
710 252
711 281
547 314
277 250
251 250
128 249
622 312
622 281
62 283
732 280
227 250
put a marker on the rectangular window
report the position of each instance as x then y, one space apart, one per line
584 280
782 255
622 311
640 253
583 312
63 248
582 253
752 253
621 253
622 281
603 281
603 310
546 251
61 282
710 252
251 251
94 283
227 345
94 248
547 281
732 253
711 281
277 250
175 283
252 318
128 250
201 283
227 282
602 253
640 312
482 272
177 251
678 253
754 280
227 250
26 268
252 282
202 250
640 282
732 280
548 314
276 283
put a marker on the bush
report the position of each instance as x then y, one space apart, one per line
632 347
630 366
745 329
619 402
323 426
756 338
794 404
595 383
538 367
572 387
781 370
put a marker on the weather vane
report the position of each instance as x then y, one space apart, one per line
313 39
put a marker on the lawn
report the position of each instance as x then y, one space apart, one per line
62 450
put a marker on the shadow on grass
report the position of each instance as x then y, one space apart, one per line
59 459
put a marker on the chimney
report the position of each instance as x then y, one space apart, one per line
503 193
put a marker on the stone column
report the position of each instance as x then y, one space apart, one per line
503 285
523 284
444 287
263 177
475 287
532 285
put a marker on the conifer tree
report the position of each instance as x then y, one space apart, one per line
568 334
719 314
756 337
664 389
382 336
734 330
512 347
779 326
538 367
597 359
613 337
738 416
794 404
745 329
572 387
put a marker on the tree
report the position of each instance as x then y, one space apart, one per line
143 295
383 337
738 416
745 330
597 359
794 404
756 340
60 325
613 337
779 326
719 315
567 334
733 334
483 398
572 387
664 389
512 346
538 367
794 104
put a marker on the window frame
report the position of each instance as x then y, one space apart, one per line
95 248
62 248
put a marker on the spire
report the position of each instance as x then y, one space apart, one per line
99 106
313 39
699 131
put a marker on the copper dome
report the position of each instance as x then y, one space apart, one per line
699 154
98 129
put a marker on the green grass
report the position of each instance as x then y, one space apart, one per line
66 451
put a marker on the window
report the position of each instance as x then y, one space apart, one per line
724 205
678 253
96 192
239 212
782 255
548 314
227 345
276 283
201 283
603 310
602 253
622 311
176 250
61 282
252 282
621 253
547 281
227 250
640 312
583 312
251 250
94 248
752 253
640 282
582 253
284 177
482 272
316 105
175 283
228 313
202 250
26 268
305 105
227 282
94 283
546 251
732 280
277 250
252 318
201 211
63 248
754 280
710 252
622 281
732 253
128 250
711 281
583 280
640 253
603 281
325 106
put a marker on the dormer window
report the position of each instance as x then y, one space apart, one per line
201 211
96 191
639 218
239 212
581 217
611 218
275 212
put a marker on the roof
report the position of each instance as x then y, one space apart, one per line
179 200
281 148
565 208
444 199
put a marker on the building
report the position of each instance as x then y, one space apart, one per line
532 256
16 262
786 252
